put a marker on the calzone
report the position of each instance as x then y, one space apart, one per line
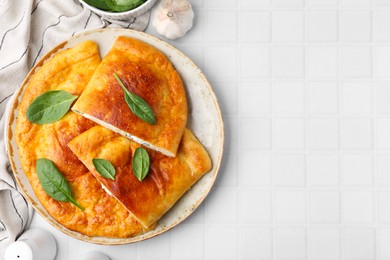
69 70
146 72
168 179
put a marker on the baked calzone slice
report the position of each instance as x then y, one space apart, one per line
146 72
168 179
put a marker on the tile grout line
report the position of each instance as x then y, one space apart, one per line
340 133
306 131
374 123
272 112
239 90
314 225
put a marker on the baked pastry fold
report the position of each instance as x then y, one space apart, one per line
168 179
146 72
69 70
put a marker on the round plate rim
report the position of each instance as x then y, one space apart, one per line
9 136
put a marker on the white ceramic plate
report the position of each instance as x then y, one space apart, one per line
204 119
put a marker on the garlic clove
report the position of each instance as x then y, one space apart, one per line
173 18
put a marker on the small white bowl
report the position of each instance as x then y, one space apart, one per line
140 10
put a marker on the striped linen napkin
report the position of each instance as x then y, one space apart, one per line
28 30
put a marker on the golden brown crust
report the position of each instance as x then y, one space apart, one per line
148 73
69 70
169 178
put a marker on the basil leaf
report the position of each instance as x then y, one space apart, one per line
140 108
49 107
104 168
118 8
123 8
137 105
53 182
115 5
101 4
129 2
111 5
140 163
122 5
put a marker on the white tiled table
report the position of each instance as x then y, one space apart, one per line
304 88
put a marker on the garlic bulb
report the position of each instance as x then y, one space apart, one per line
173 18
